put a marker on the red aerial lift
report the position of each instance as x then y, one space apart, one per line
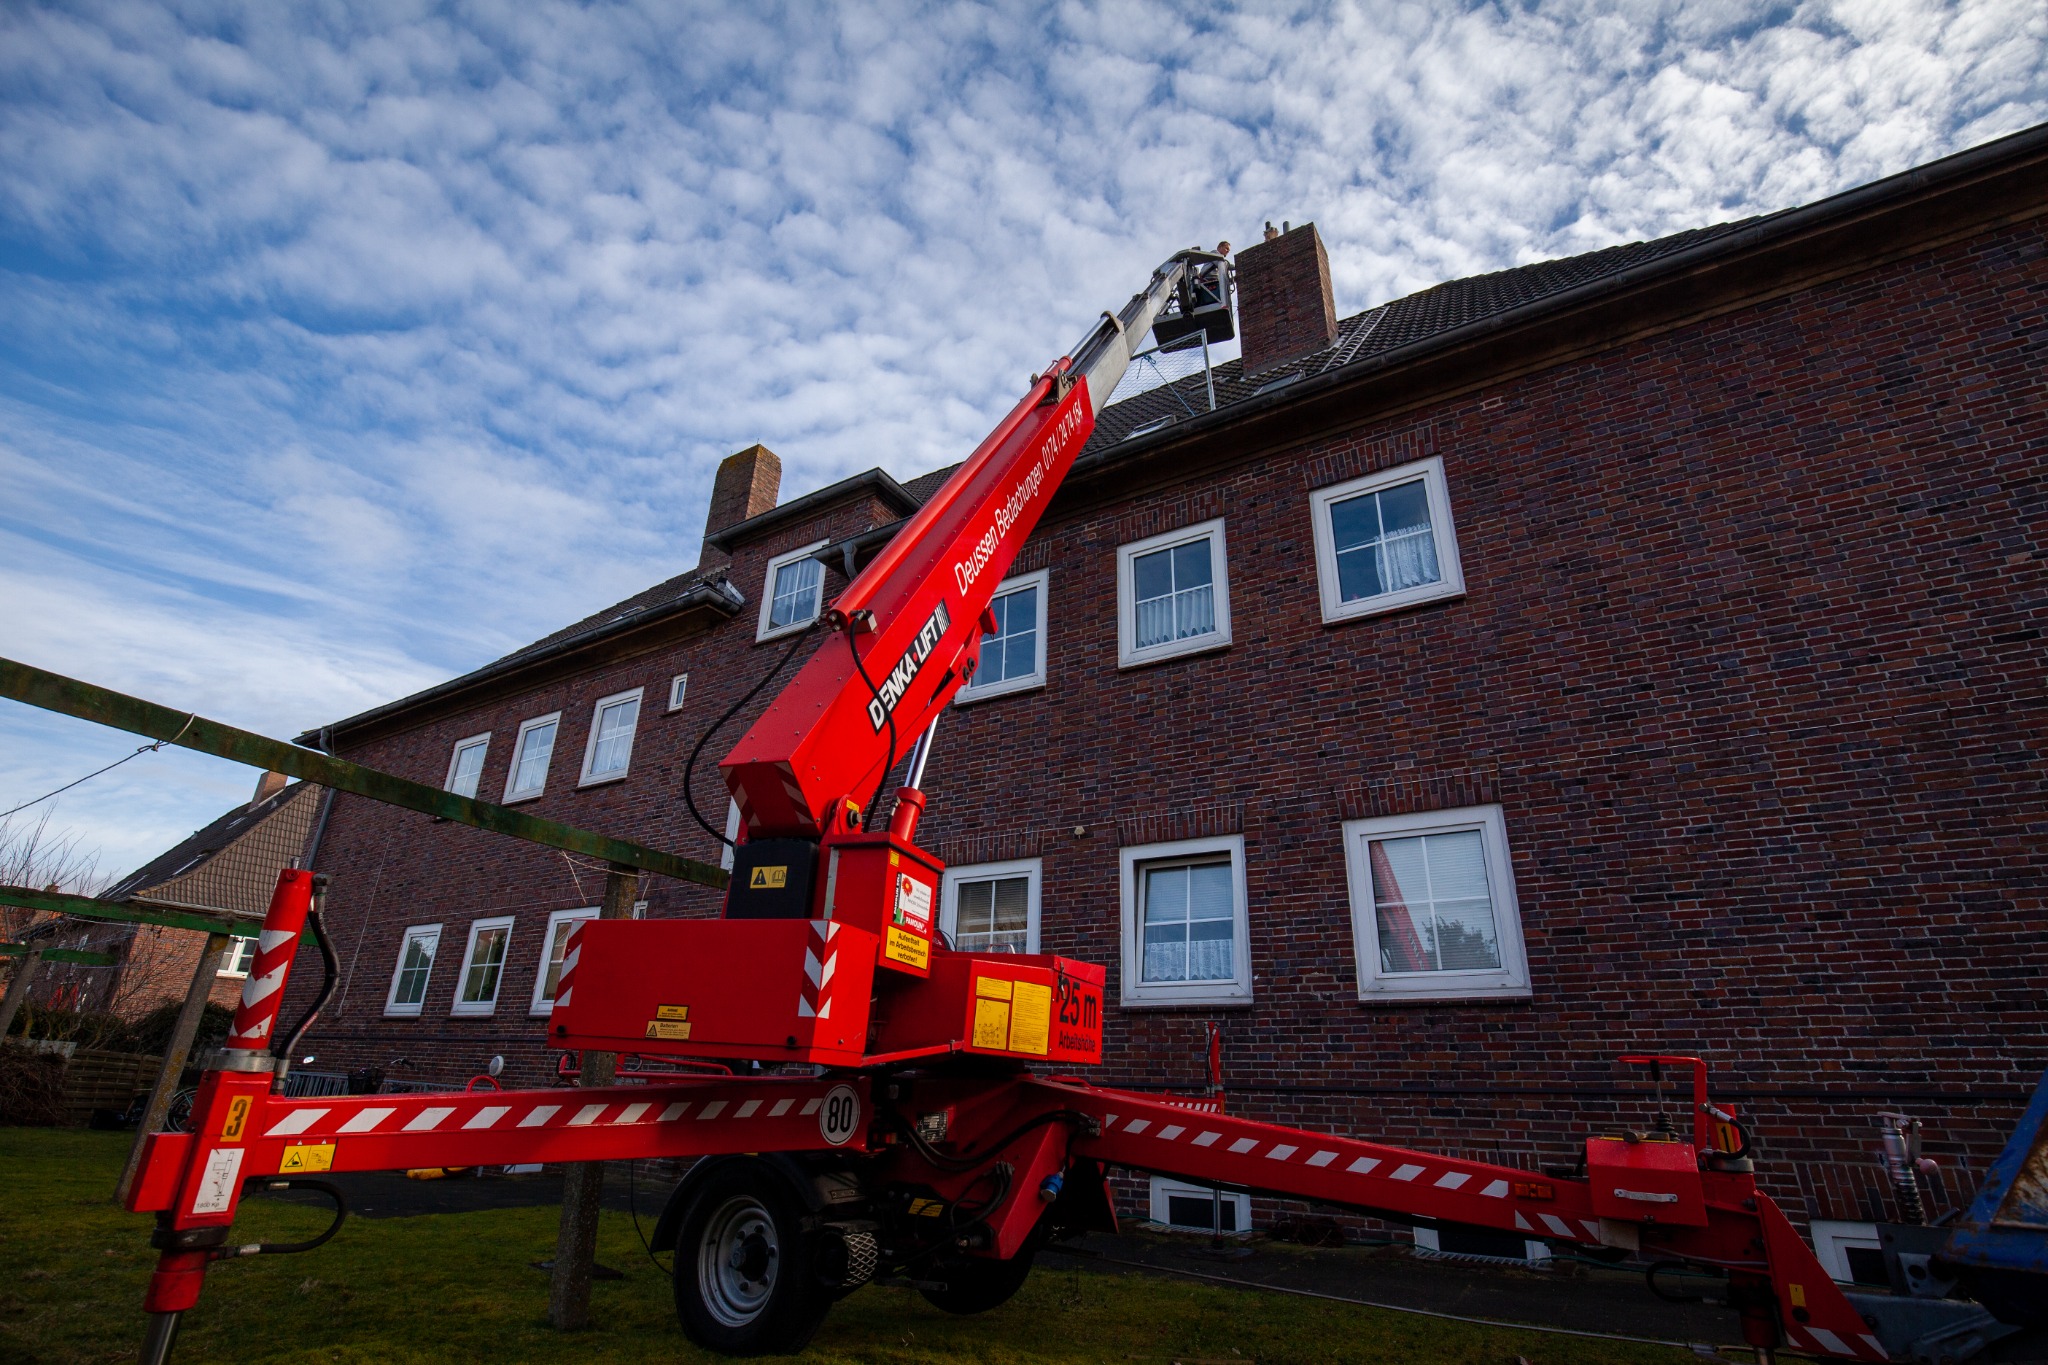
890 1108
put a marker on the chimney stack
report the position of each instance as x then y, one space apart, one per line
267 786
746 486
1285 309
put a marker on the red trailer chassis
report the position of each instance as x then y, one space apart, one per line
947 1169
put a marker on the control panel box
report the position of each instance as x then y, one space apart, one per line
1036 1008
888 887
1646 1181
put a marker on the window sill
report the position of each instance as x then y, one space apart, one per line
402 1012
600 781
473 1012
1159 654
514 798
232 976
1368 607
1009 687
1446 994
762 637
1220 999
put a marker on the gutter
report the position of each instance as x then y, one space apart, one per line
718 594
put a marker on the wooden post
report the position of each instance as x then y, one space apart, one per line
176 1053
583 1183
17 988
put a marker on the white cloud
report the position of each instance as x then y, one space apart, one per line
314 308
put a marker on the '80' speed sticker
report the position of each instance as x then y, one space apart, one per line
839 1115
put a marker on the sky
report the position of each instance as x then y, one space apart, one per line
345 347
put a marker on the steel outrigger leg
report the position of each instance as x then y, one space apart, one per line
160 1337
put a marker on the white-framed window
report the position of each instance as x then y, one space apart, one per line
732 833
1433 909
1012 659
553 948
1186 938
1385 541
992 907
531 753
466 764
483 966
1851 1253
609 752
678 688
415 965
1173 595
792 594
1200 1208
239 958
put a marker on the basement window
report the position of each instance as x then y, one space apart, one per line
1199 1208
992 907
793 593
1012 659
483 966
466 764
415 965
1173 595
1433 907
1385 541
609 751
1185 939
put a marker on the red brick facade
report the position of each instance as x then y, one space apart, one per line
1748 653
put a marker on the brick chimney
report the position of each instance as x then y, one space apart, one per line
746 486
1285 309
267 786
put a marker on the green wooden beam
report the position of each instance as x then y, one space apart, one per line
71 697
61 955
128 912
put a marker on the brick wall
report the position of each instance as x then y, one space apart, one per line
1749 654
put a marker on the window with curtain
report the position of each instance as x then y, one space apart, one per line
1186 937
1434 906
531 754
1174 595
993 915
414 967
466 765
1385 541
610 751
483 966
1013 658
792 594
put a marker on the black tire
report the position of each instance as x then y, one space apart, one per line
744 1280
975 1285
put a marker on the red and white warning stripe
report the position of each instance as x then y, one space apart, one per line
821 964
488 1111
572 953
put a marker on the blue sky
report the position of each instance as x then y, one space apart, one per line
345 347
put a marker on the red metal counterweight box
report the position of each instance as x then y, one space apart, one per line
1646 1182
1033 1008
766 989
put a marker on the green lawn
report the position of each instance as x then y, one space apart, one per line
457 1287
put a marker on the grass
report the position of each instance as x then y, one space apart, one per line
457 1287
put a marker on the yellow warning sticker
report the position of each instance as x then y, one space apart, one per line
895 858
1030 1018
316 1157
769 878
906 947
994 987
668 1030
992 1024
1799 1296
238 1117
671 1011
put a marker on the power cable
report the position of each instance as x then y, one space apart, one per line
145 749
689 797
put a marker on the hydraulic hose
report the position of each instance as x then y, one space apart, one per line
689 768
329 964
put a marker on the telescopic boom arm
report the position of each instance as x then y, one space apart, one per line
914 617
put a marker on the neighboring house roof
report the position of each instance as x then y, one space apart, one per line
231 865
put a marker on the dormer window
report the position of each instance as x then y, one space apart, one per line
793 593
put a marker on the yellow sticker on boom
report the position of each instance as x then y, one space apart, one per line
903 946
992 1024
314 1157
238 1118
671 1011
668 1030
1030 1018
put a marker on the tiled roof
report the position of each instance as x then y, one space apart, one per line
193 851
663 594
1401 322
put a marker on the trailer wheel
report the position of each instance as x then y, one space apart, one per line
744 1280
975 1285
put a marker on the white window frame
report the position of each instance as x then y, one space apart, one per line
1832 1238
232 963
482 741
678 688
589 779
542 1004
1128 655
519 748
1437 492
763 631
1027 682
1509 981
1140 994
732 833
1032 869
476 930
1163 1187
431 933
